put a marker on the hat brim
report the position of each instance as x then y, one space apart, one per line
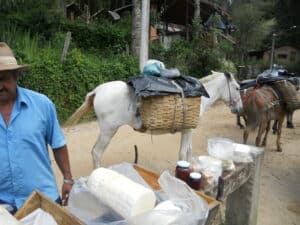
14 67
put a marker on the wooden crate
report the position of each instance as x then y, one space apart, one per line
39 200
214 216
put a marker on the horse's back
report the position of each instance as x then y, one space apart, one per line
115 102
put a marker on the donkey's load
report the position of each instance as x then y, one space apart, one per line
168 104
289 94
285 84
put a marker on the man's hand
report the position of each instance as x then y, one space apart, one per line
62 159
65 191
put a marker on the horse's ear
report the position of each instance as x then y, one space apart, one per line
227 75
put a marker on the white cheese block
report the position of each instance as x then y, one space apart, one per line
6 218
120 193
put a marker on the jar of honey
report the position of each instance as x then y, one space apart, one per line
183 170
194 180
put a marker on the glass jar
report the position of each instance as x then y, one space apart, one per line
194 180
183 170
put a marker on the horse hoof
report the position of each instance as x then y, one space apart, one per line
279 150
290 126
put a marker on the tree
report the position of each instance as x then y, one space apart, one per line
287 15
136 27
252 26
196 20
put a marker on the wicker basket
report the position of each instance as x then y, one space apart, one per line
167 112
289 94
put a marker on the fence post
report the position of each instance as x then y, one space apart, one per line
66 47
241 205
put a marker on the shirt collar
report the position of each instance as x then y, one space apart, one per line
21 98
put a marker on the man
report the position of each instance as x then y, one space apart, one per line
28 123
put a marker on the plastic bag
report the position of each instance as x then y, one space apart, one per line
226 149
91 211
38 217
187 207
210 167
6 218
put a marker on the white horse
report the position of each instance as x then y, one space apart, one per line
115 104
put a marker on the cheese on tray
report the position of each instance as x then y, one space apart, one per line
120 193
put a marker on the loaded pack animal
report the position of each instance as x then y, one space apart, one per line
247 85
115 104
272 101
260 106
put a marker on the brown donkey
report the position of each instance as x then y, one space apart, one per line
261 105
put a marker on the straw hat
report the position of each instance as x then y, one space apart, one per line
8 60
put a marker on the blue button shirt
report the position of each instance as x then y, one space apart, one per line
25 164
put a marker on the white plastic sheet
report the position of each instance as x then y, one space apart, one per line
6 218
193 209
38 217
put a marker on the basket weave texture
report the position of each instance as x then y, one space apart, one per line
290 95
167 112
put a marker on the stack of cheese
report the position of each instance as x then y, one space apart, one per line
123 195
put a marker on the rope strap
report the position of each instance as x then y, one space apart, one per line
184 107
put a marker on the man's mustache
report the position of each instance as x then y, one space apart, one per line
3 90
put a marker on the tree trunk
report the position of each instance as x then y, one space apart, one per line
62 7
197 19
136 27
197 9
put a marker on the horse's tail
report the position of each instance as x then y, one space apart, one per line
83 109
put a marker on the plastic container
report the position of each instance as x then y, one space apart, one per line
183 170
194 180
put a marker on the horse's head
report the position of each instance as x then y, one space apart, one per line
231 93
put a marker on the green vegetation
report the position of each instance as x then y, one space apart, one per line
98 53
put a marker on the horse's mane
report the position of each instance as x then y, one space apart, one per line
210 77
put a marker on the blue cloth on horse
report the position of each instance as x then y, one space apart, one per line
152 69
146 86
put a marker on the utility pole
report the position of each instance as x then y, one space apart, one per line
145 33
274 35
272 51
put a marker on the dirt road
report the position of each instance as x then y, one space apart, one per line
280 184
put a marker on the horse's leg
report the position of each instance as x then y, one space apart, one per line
186 149
101 144
261 129
246 135
245 119
238 121
264 143
275 127
289 120
280 122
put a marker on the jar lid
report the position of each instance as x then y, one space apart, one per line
183 163
195 175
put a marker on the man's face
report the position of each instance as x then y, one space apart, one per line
8 81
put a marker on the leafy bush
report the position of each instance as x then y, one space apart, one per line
36 17
103 35
67 84
190 58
